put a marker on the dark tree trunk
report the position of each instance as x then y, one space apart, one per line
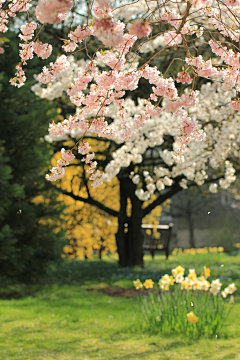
121 236
100 250
129 243
191 231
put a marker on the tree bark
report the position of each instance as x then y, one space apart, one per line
129 243
191 231
121 238
135 236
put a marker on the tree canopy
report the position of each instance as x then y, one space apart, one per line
183 129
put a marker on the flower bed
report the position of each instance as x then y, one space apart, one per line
189 305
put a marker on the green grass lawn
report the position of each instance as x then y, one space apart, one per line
60 318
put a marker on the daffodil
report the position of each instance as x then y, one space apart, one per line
206 272
183 284
164 285
179 278
224 293
231 288
231 300
216 284
214 290
178 271
192 274
205 285
189 285
192 317
168 279
137 283
148 284
196 285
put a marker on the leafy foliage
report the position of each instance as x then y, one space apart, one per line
28 241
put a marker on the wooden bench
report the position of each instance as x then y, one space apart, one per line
152 244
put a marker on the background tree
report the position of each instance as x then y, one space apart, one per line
188 205
126 130
29 213
89 223
145 165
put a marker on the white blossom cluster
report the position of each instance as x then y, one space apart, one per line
220 122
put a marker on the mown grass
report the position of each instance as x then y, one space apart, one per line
59 318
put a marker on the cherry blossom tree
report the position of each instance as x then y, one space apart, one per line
145 167
204 134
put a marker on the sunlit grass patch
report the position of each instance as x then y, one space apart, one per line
57 317
69 323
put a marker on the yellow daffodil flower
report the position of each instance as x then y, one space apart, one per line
231 288
148 284
137 283
178 271
192 274
206 272
192 317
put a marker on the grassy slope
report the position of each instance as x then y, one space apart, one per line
67 322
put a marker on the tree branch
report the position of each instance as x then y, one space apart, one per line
176 188
89 201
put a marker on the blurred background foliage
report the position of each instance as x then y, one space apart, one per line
88 228
30 215
35 221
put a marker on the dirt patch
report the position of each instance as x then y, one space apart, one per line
117 291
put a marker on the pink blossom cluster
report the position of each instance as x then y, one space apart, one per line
77 36
27 30
184 78
140 29
42 50
84 148
186 100
19 78
203 68
96 176
58 171
230 75
189 130
56 68
216 21
172 38
94 90
52 11
80 33
152 110
171 17
113 59
28 48
14 7
106 29
231 2
110 88
235 104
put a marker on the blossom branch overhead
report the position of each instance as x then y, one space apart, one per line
124 33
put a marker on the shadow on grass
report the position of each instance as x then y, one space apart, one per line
92 273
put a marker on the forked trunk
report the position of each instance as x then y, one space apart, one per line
129 237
